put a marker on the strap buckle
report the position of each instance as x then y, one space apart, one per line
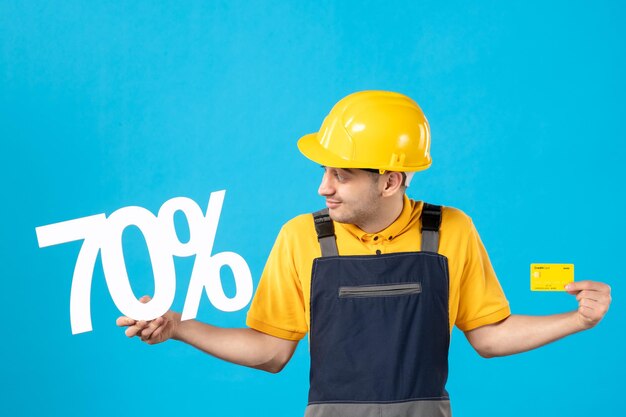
323 224
431 217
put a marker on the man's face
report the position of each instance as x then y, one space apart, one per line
352 195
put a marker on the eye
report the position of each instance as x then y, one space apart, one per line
339 176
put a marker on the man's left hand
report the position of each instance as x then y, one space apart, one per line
594 299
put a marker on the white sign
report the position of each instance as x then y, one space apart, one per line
105 234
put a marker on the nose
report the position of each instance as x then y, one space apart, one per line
326 186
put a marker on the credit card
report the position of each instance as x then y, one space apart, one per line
550 277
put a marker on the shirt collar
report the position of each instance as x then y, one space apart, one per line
404 221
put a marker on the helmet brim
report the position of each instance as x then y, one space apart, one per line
310 147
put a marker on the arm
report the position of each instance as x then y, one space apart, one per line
518 333
244 346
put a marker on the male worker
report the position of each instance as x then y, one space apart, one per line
378 280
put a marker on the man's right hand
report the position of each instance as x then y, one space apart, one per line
245 346
153 331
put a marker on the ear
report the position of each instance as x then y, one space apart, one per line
393 183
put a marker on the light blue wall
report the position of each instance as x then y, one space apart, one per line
118 103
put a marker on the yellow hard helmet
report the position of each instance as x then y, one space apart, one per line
372 129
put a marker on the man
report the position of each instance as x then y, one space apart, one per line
377 280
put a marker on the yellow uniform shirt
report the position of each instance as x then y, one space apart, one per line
281 305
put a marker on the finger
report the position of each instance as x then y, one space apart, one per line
157 333
154 324
132 331
603 297
136 328
588 304
587 313
589 295
124 321
594 307
587 285
592 311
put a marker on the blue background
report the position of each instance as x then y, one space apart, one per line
111 104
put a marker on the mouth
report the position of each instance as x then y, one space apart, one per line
331 204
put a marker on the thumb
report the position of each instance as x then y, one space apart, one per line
573 288
145 299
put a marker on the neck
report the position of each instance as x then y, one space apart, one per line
382 218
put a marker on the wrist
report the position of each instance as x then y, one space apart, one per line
177 325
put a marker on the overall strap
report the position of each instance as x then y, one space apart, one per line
431 220
325 233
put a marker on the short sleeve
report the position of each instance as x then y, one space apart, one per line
277 308
481 300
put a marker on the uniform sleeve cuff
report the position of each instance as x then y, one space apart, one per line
492 318
273 331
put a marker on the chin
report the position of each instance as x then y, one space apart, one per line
338 217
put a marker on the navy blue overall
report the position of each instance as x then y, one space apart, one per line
379 329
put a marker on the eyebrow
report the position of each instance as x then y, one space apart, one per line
347 170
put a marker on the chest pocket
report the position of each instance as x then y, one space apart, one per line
384 290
